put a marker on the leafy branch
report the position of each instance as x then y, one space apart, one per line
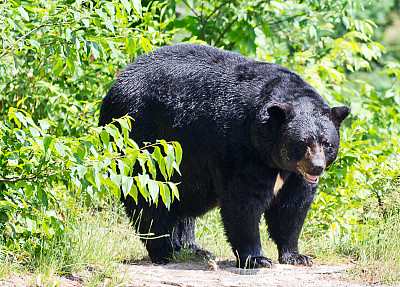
12 47
24 178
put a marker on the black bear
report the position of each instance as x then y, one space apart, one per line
255 138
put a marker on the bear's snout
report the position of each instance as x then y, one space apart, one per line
317 166
313 164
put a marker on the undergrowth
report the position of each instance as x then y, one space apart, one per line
102 240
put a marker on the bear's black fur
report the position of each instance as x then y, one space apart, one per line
255 138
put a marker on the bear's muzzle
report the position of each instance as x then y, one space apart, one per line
312 164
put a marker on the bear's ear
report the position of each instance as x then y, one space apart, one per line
341 113
279 111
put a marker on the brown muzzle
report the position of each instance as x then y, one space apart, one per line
313 164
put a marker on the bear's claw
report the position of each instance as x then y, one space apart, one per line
295 259
256 262
200 252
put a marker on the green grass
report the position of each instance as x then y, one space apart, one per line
379 252
210 235
100 241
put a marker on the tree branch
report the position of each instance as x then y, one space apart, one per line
203 23
32 31
217 9
191 9
215 24
16 179
226 30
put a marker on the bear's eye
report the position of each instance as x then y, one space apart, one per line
327 144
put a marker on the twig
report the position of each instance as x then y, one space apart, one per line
203 23
191 9
226 30
24 36
16 179
283 20
32 31
285 34
4 7
218 9
215 23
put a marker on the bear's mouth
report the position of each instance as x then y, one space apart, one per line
311 178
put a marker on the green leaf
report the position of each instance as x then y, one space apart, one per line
127 5
23 13
44 125
115 190
105 137
116 178
134 193
81 170
178 152
77 43
59 148
137 5
130 46
127 183
43 197
57 68
21 101
146 45
143 179
94 48
47 141
109 25
110 8
124 123
174 189
13 159
68 34
110 129
35 43
3 217
153 189
150 164
86 22
165 194
170 159
113 50
70 64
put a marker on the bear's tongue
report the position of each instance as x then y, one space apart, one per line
313 178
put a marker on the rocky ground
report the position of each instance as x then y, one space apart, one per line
212 273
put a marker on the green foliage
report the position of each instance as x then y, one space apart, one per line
92 167
361 180
57 60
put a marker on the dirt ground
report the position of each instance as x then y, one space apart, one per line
212 273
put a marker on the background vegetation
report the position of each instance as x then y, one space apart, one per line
58 180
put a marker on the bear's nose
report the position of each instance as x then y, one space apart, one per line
317 166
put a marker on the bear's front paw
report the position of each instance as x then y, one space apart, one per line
295 259
255 262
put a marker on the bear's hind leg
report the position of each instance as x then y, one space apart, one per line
285 218
184 237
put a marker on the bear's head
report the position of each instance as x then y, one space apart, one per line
301 137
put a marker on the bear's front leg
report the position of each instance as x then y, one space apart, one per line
285 218
242 206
